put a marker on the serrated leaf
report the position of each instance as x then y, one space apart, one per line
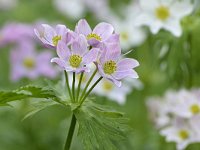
26 92
38 106
100 128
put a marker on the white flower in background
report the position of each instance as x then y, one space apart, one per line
130 36
164 14
100 9
188 104
181 133
7 4
74 9
114 93
177 115
158 112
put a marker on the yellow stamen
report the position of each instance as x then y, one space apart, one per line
75 60
29 63
162 13
93 35
195 109
183 134
124 36
56 39
110 67
107 86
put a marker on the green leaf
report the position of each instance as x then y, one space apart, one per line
99 127
37 106
26 93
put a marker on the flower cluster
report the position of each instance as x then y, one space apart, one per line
177 116
24 58
78 49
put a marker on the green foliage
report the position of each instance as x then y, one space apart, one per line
99 127
25 92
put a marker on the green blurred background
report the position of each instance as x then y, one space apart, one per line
47 130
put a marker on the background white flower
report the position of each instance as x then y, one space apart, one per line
164 14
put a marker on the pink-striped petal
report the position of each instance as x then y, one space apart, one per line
127 64
83 27
104 30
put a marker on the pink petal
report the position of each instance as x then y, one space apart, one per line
104 30
49 32
59 62
63 50
93 42
113 51
123 74
61 29
83 27
114 38
127 64
91 56
79 46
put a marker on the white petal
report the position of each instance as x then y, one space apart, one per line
149 5
173 25
181 8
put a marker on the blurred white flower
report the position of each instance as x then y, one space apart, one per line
188 104
177 116
74 9
164 14
7 4
158 112
130 36
181 133
114 93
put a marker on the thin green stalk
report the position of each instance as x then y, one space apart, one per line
73 86
67 83
88 83
70 133
90 90
79 86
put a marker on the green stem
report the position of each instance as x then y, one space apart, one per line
67 83
73 86
88 83
70 133
90 90
79 86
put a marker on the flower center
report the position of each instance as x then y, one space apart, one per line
162 13
107 86
93 35
110 67
124 36
75 60
194 109
56 39
183 134
29 63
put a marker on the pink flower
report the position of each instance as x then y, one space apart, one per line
102 33
112 68
77 58
50 36
15 32
27 63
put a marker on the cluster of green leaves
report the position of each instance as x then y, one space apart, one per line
99 126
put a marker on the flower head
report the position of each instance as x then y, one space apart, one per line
49 36
77 58
27 63
112 68
162 14
102 33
